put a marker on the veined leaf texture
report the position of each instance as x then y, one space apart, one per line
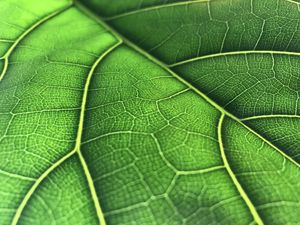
141 112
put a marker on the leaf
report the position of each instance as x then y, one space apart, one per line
161 112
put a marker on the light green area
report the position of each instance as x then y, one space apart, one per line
169 112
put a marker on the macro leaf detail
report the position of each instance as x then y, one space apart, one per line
149 112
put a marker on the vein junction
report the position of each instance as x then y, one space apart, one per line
79 137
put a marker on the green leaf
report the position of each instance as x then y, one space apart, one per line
149 112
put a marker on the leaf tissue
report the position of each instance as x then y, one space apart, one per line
149 112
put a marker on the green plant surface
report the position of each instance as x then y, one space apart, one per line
149 112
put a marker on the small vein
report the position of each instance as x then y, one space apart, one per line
24 34
225 36
279 204
112 133
200 171
6 41
151 8
239 187
13 175
261 33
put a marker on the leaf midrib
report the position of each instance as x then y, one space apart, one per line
224 112
175 75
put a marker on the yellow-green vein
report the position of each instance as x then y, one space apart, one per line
292 1
28 195
90 181
271 52
233 177
24 34
17 176
33 188
275 116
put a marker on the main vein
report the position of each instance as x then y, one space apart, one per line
179 78
205 97
24 34
79 135
239 187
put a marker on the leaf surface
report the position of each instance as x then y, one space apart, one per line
161 112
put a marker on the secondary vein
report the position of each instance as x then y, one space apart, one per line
275 116
271 52
38 181
79 136
28 195
239 187
5 57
